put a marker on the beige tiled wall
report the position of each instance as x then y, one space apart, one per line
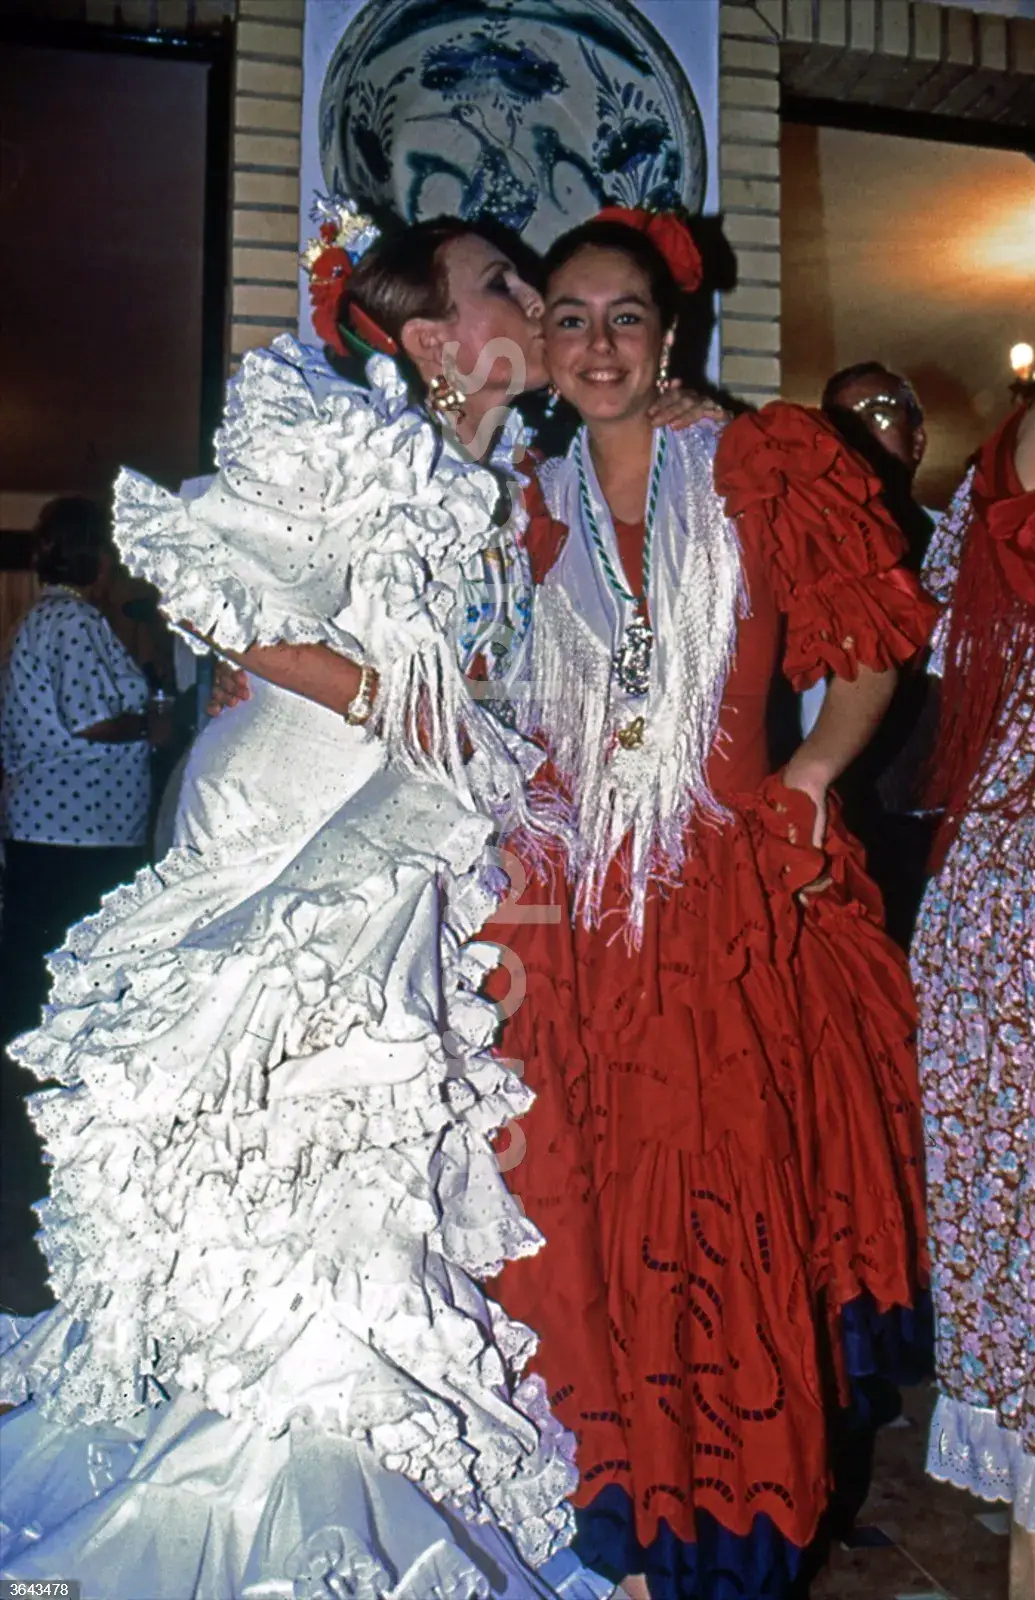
749 167
266 158
267 121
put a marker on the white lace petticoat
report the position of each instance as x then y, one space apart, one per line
971 1450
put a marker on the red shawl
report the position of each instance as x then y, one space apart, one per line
990 659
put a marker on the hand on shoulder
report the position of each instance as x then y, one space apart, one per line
681 408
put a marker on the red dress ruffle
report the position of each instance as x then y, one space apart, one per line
1007 509
724 1149
813 509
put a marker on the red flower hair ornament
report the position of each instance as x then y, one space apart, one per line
670 236
329 259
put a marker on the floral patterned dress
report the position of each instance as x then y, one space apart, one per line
974 965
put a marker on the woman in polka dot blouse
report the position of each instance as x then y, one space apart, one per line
74 748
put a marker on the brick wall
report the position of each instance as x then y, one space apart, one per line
749 177
756 40
266 159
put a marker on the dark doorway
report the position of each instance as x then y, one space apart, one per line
114 193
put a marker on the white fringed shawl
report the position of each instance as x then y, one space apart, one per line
695 592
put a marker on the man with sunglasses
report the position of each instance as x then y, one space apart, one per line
877 412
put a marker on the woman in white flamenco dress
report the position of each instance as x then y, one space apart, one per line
271 1371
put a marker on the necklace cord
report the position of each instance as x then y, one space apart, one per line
606 563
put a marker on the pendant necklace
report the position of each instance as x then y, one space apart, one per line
632 660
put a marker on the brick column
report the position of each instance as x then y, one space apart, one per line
266 160
749 167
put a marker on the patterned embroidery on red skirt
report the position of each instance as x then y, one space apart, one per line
618 1464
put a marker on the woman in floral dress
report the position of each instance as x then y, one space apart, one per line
974 964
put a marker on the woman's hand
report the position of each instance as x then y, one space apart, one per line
680 408
314 671
851 711
229 688
810 778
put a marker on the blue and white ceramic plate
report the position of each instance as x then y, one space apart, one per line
536 112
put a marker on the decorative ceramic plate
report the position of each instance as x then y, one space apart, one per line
536 112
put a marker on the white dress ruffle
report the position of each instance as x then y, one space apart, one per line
273 1188
184 1501
970 1449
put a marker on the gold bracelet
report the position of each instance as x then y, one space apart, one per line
362 703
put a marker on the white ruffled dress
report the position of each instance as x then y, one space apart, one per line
271 1371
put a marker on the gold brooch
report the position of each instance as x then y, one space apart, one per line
631 737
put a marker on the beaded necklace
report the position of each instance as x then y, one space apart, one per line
632 660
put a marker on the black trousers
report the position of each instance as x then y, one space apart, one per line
46 888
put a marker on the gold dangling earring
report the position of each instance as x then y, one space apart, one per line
663 379
444 398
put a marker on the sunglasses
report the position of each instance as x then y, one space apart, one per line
887 409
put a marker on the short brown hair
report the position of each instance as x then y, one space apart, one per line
72 534
402 275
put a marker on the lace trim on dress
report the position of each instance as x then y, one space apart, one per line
216 1273
340 516
970 1449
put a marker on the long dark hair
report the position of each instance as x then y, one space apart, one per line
641 250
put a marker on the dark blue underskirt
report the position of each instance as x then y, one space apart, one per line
882 1351
719 1565
891 1348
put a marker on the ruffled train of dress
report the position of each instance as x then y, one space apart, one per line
183 1500
273 1186
271 1369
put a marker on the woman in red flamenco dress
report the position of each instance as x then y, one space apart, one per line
724 1154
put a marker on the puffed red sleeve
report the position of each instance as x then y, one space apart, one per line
544 536
814 508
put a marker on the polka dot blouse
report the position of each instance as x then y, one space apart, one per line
66 672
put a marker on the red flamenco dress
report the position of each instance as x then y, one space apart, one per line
724 1153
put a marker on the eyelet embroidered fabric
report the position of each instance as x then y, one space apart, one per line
969 1449
273 1188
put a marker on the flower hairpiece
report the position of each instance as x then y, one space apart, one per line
671 237
344 236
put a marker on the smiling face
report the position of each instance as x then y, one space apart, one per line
490 340
604 336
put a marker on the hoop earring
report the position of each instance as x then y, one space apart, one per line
443 398
553 395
